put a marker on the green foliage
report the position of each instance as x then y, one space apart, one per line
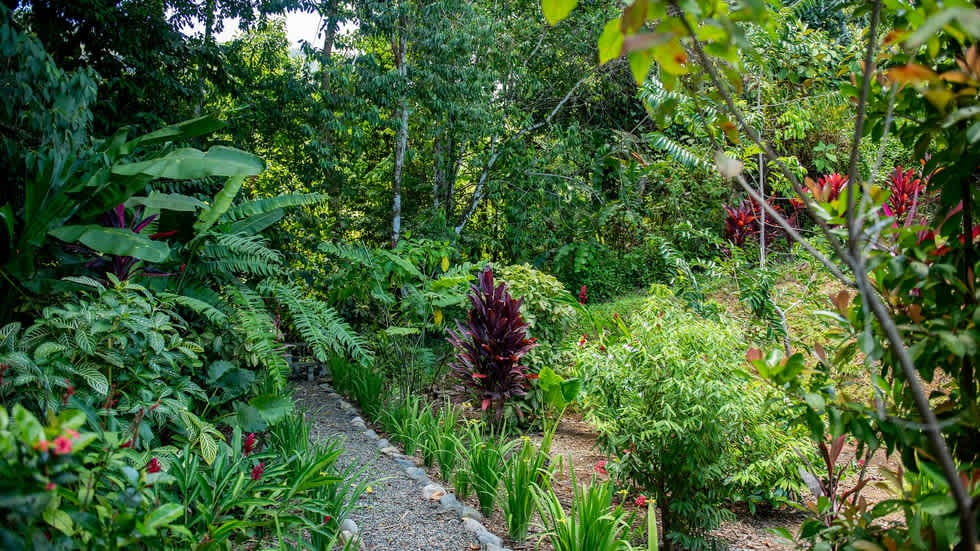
486 451
525 468
443 441
592 522
678 425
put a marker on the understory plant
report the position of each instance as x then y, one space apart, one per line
485 461
526 467
489 347
676 424
592 522
443 441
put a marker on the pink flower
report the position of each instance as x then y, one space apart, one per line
257 471
153 466
249 445
62 445
641 501
860 462
42 445
50 486
600 467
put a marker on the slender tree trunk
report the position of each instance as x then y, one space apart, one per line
330 11
399 46
438 170
209 7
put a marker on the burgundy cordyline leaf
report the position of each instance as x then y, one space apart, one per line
490 345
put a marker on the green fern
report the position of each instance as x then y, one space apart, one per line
258 207
240 254
677 151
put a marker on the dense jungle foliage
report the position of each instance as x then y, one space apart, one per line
736 236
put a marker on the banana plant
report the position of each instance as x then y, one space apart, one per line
59 190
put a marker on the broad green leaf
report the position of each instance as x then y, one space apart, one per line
7 219
94 379
272 408
222 202
182 130
640 62
255 224
163 515
671 57
209 447
188 163
937 505
115 241
610 42
973 133
59 520
29 429
556 10
167 201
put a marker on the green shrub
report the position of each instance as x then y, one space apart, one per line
592 523
678 421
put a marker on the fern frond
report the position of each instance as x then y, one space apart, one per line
351 252
258 332
263 206
240 254
319 324
676 151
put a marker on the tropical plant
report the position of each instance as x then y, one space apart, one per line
592 523
527 466
485 463
490 346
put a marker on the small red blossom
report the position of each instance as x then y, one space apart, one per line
600 467
42 445
257 471
68 393
62 445
153 466
582 341
602 348
327 518
127 444
50 486
249 445
582 295
641 501
860 462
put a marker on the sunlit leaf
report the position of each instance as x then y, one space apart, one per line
912 73
556 10
610 42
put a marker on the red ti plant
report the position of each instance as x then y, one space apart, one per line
740 223
489 347
906 187
826 188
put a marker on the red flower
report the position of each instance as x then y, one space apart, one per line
126 444
641 501
153 466
50 486
582 295
581 342
257 471
68 393
249 445
62 445
327 518
600 467
42 445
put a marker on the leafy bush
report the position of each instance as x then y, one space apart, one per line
677 423
490 346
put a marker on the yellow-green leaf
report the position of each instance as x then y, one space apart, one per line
209 448
59 520
556 10
671 57
640 62
610 42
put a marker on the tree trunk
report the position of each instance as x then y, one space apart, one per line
399 46
208 42
330 12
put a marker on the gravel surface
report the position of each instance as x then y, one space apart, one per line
395 515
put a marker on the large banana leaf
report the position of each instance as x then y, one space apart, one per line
115 241
167 201
189 163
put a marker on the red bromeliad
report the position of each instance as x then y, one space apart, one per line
906 187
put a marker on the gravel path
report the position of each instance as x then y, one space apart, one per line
396 515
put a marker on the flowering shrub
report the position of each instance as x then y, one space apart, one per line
489 347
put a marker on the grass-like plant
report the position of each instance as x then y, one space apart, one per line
368 384
524 469
485 463
402 417
442 441
592 524
489 347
